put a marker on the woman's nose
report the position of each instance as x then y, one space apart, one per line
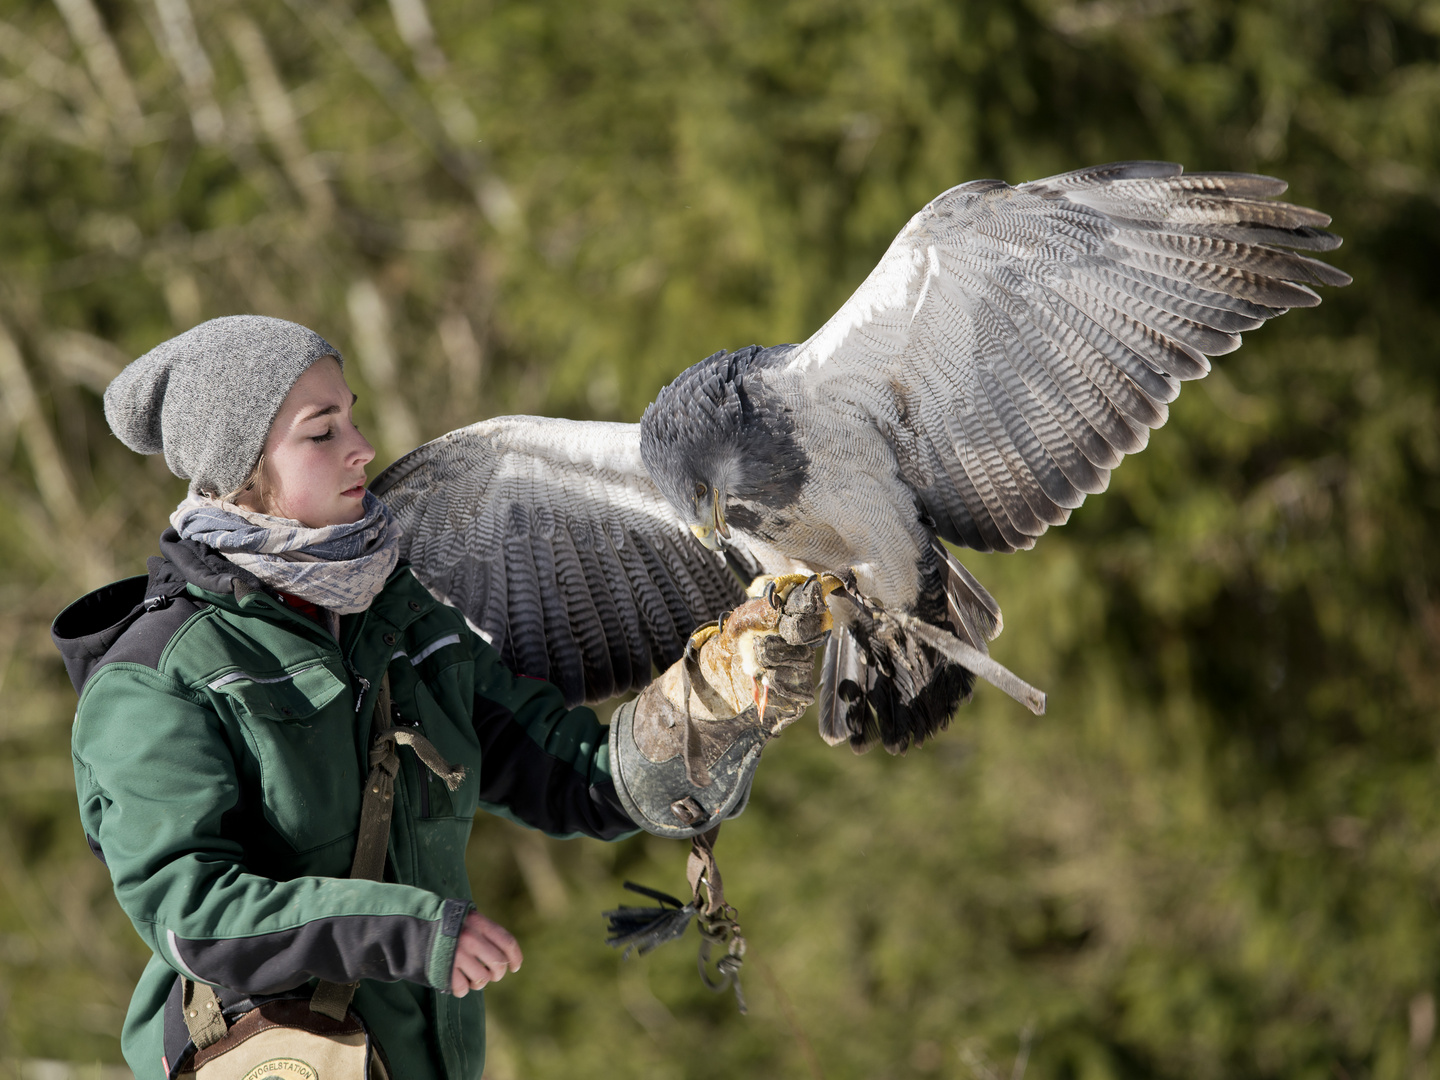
362 453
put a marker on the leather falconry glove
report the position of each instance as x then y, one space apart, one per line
760 655
683 759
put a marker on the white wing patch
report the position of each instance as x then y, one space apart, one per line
885 290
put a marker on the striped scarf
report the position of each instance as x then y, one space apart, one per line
342 568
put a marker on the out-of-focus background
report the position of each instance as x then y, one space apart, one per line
1218 854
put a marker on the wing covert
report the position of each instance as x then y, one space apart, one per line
551 538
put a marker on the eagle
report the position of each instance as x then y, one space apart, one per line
1012 345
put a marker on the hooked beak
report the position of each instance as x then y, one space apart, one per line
711 535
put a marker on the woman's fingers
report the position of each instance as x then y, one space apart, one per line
498 936
470 972
484 952
494 961
480 960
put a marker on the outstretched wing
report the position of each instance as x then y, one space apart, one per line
1017 342
552 539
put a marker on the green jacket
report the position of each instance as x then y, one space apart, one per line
219 749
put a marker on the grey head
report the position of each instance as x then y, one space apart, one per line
722 446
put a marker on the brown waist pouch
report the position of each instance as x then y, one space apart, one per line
287 1040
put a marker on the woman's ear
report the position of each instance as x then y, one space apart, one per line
254 493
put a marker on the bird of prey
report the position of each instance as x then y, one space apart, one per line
1012 345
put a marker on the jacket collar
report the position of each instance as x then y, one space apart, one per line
190 562
86 630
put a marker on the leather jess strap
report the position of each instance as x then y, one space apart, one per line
719 927
201 1007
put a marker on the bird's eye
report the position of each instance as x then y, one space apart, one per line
701 490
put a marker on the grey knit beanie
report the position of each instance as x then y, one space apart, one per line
207 397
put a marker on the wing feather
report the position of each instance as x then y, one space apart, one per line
1017 342
569 613
672 633
1040 480
552 539
627 605
606 653
1079 395
525 626
661 635
494 615
1025 501
1064 473
1192 300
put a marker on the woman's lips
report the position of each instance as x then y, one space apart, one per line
356 491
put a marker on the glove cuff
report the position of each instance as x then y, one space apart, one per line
676 777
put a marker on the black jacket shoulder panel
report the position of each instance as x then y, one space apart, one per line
103 627
145 638
86 630
135 618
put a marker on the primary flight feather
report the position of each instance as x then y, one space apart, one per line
1012 345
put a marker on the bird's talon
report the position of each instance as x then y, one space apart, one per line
777 588
702 634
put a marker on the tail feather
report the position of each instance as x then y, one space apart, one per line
879 684
842 674
973 613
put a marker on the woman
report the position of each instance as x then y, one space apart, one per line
225 709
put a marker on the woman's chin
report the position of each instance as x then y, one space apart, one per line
354 512
347 514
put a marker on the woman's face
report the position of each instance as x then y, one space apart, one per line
315 456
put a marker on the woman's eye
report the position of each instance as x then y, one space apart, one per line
323 438
701 490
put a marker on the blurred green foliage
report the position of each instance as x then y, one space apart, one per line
1217 856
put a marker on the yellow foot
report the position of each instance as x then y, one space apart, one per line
703 634
777 587
781 583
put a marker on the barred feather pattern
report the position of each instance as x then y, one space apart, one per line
1017 342
553 541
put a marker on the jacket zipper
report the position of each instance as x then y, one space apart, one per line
363 682
364 685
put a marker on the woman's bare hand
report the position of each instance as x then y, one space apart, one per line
484 953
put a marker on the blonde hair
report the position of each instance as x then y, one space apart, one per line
256 478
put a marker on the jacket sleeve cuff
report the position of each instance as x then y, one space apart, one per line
442 955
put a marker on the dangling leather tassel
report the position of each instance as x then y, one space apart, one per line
641 929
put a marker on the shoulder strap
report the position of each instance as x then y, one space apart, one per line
200 1006
332 999
373 839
